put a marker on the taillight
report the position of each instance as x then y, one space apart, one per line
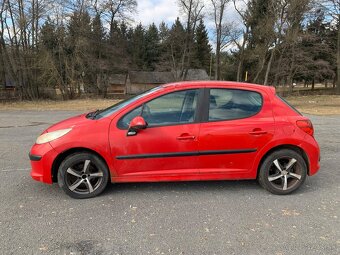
306 126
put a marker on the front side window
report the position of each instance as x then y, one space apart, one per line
170 109
229 104
120 105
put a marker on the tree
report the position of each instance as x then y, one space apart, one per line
192 9
97 54
176 48
315 56
202 47
241 37
114 9
138 50
332 9
222 32
152 47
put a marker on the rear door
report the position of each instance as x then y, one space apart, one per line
237 123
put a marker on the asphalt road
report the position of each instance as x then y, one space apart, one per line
227 217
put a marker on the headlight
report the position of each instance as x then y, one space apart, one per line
47 137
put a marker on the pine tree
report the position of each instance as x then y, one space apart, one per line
97 55
138 50
48 35
152 49
175 45
98 36
163 32
202 47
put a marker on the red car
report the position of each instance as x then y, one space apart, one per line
186 131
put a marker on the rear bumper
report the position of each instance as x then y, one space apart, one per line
312 149
42 157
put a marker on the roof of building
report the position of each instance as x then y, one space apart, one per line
196 75
144 77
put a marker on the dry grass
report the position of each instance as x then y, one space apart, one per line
318 105
76 105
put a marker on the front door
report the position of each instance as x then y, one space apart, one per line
238 124
168 146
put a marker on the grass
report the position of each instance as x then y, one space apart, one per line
316 104
312 104
49 105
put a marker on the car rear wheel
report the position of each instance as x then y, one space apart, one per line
83 175
282 172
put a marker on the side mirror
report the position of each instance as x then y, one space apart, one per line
136 124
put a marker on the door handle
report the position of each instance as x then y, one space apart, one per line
258 131
186 137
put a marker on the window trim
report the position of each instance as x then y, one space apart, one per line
199 106
205 113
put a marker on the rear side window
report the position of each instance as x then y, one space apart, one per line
229 104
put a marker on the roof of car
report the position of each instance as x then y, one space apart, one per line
231 84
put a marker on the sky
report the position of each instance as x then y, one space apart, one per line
168 10
156 11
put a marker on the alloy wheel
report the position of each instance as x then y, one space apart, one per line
285 173
83 177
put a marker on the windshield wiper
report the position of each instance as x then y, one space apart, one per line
93 115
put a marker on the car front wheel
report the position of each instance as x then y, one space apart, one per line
83 175
282 172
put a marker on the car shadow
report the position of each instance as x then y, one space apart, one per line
230 187
246 187
189 186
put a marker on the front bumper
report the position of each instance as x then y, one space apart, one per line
42 157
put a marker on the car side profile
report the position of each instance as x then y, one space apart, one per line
185 131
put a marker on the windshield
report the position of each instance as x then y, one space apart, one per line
110 110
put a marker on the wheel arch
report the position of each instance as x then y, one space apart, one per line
284 146
66 153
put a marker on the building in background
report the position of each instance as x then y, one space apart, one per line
117 84
136 82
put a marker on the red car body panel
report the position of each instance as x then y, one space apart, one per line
181 152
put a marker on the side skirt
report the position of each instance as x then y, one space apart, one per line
187 177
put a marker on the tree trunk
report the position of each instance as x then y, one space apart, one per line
269 66
239 69
338 58
241 60
217 63
260 69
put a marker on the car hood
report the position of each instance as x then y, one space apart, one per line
72 122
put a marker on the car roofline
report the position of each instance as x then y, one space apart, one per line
231 84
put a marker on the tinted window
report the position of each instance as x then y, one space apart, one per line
228 104
173 108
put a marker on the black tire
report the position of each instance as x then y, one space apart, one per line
83 175
276 178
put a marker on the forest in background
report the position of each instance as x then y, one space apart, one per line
74 43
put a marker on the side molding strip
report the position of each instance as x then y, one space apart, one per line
185 154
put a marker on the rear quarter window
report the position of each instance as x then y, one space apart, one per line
230 104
